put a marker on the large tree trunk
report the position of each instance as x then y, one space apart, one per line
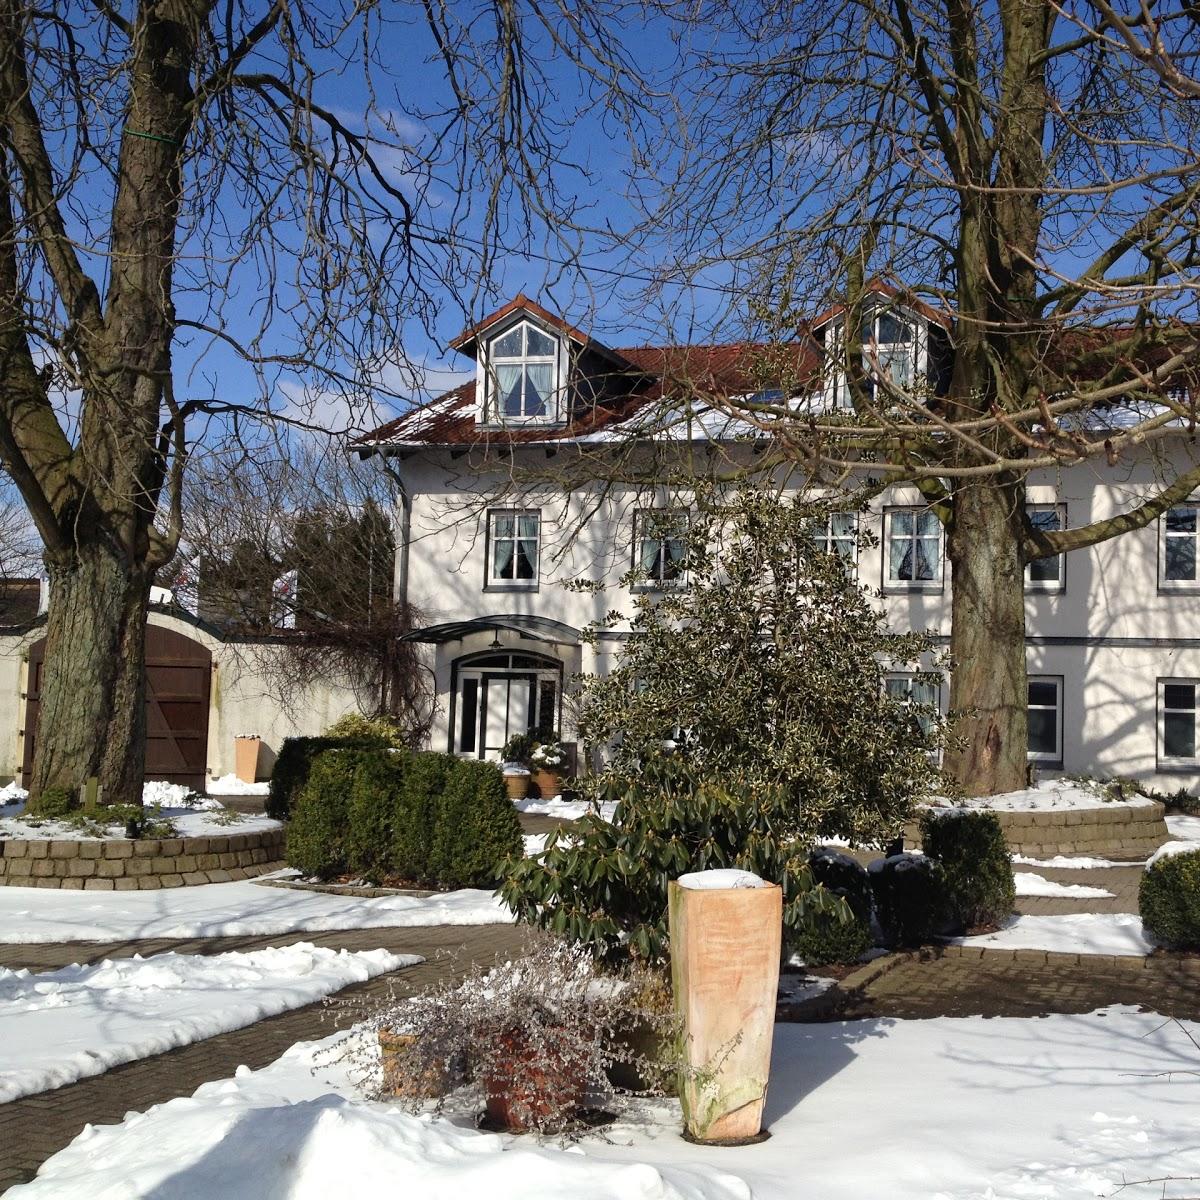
92 717
988 693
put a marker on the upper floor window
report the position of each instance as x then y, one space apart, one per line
892 344
523 367
838 535
660 547
913 549
1179 558
1046 574
1179 722
513 542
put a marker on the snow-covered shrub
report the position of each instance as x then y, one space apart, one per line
976 867
605 883
53 802
909 898
476 829
1169 900
519 748
549 756
843 935
537 1034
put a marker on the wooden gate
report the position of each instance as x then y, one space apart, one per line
178 676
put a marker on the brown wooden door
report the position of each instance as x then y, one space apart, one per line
178 677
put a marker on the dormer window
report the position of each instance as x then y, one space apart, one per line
891 354
523 383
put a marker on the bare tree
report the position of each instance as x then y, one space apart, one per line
290 549
1025 172
178 172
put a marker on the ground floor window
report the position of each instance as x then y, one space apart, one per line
1045 718
1177 725
913 691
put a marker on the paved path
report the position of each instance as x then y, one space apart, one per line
38 1126
1121 881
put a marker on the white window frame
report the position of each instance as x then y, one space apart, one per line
494 583
910 678
490 380
1178 585
1048 585
1042 756
1173 761
893 583
649 583
826 540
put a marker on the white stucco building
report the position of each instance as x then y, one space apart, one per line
499 526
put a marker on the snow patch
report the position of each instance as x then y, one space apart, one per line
719 880
61 1026
1049 795
1170 849
1073 933
564 810
1031 884
227 910
1063 862
13 793
231 785
1184 828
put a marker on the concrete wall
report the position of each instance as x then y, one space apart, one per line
1112 633
244 698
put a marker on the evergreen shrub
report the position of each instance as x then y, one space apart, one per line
319 830
844 934
54 802
415 820
373 806
976 867
909 898
294 762
476 828
1169 900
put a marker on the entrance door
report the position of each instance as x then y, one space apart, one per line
494 701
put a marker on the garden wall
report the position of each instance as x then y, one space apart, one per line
1110 831
119 864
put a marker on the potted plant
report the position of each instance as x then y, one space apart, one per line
549 761
536 1035
517 753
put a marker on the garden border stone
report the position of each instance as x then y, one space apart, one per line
119 864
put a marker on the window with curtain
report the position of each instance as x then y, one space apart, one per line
913 549
523 366
660 548
513 544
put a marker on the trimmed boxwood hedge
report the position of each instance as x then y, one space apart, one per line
976 868
294 762
1169 900
429 819
910 898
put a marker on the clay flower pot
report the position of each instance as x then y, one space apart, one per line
516 783
548 782
527 1089
245 758
725 948
402 1076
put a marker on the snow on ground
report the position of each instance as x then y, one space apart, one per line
1058 1108
1049 795
1063 862
1031 884
535 843
1073 933
1184 829
203 818
231 785
62 1025
226 910
565 810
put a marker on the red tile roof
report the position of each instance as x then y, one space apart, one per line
647 373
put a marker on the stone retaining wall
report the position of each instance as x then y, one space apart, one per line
1113 831
118 864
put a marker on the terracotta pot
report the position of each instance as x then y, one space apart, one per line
548 782
245 758
517 786
527 1091
437 1076
725 948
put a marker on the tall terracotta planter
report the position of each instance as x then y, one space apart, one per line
548 783
245 763
725 948
516 783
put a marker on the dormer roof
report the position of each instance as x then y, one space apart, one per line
887 293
